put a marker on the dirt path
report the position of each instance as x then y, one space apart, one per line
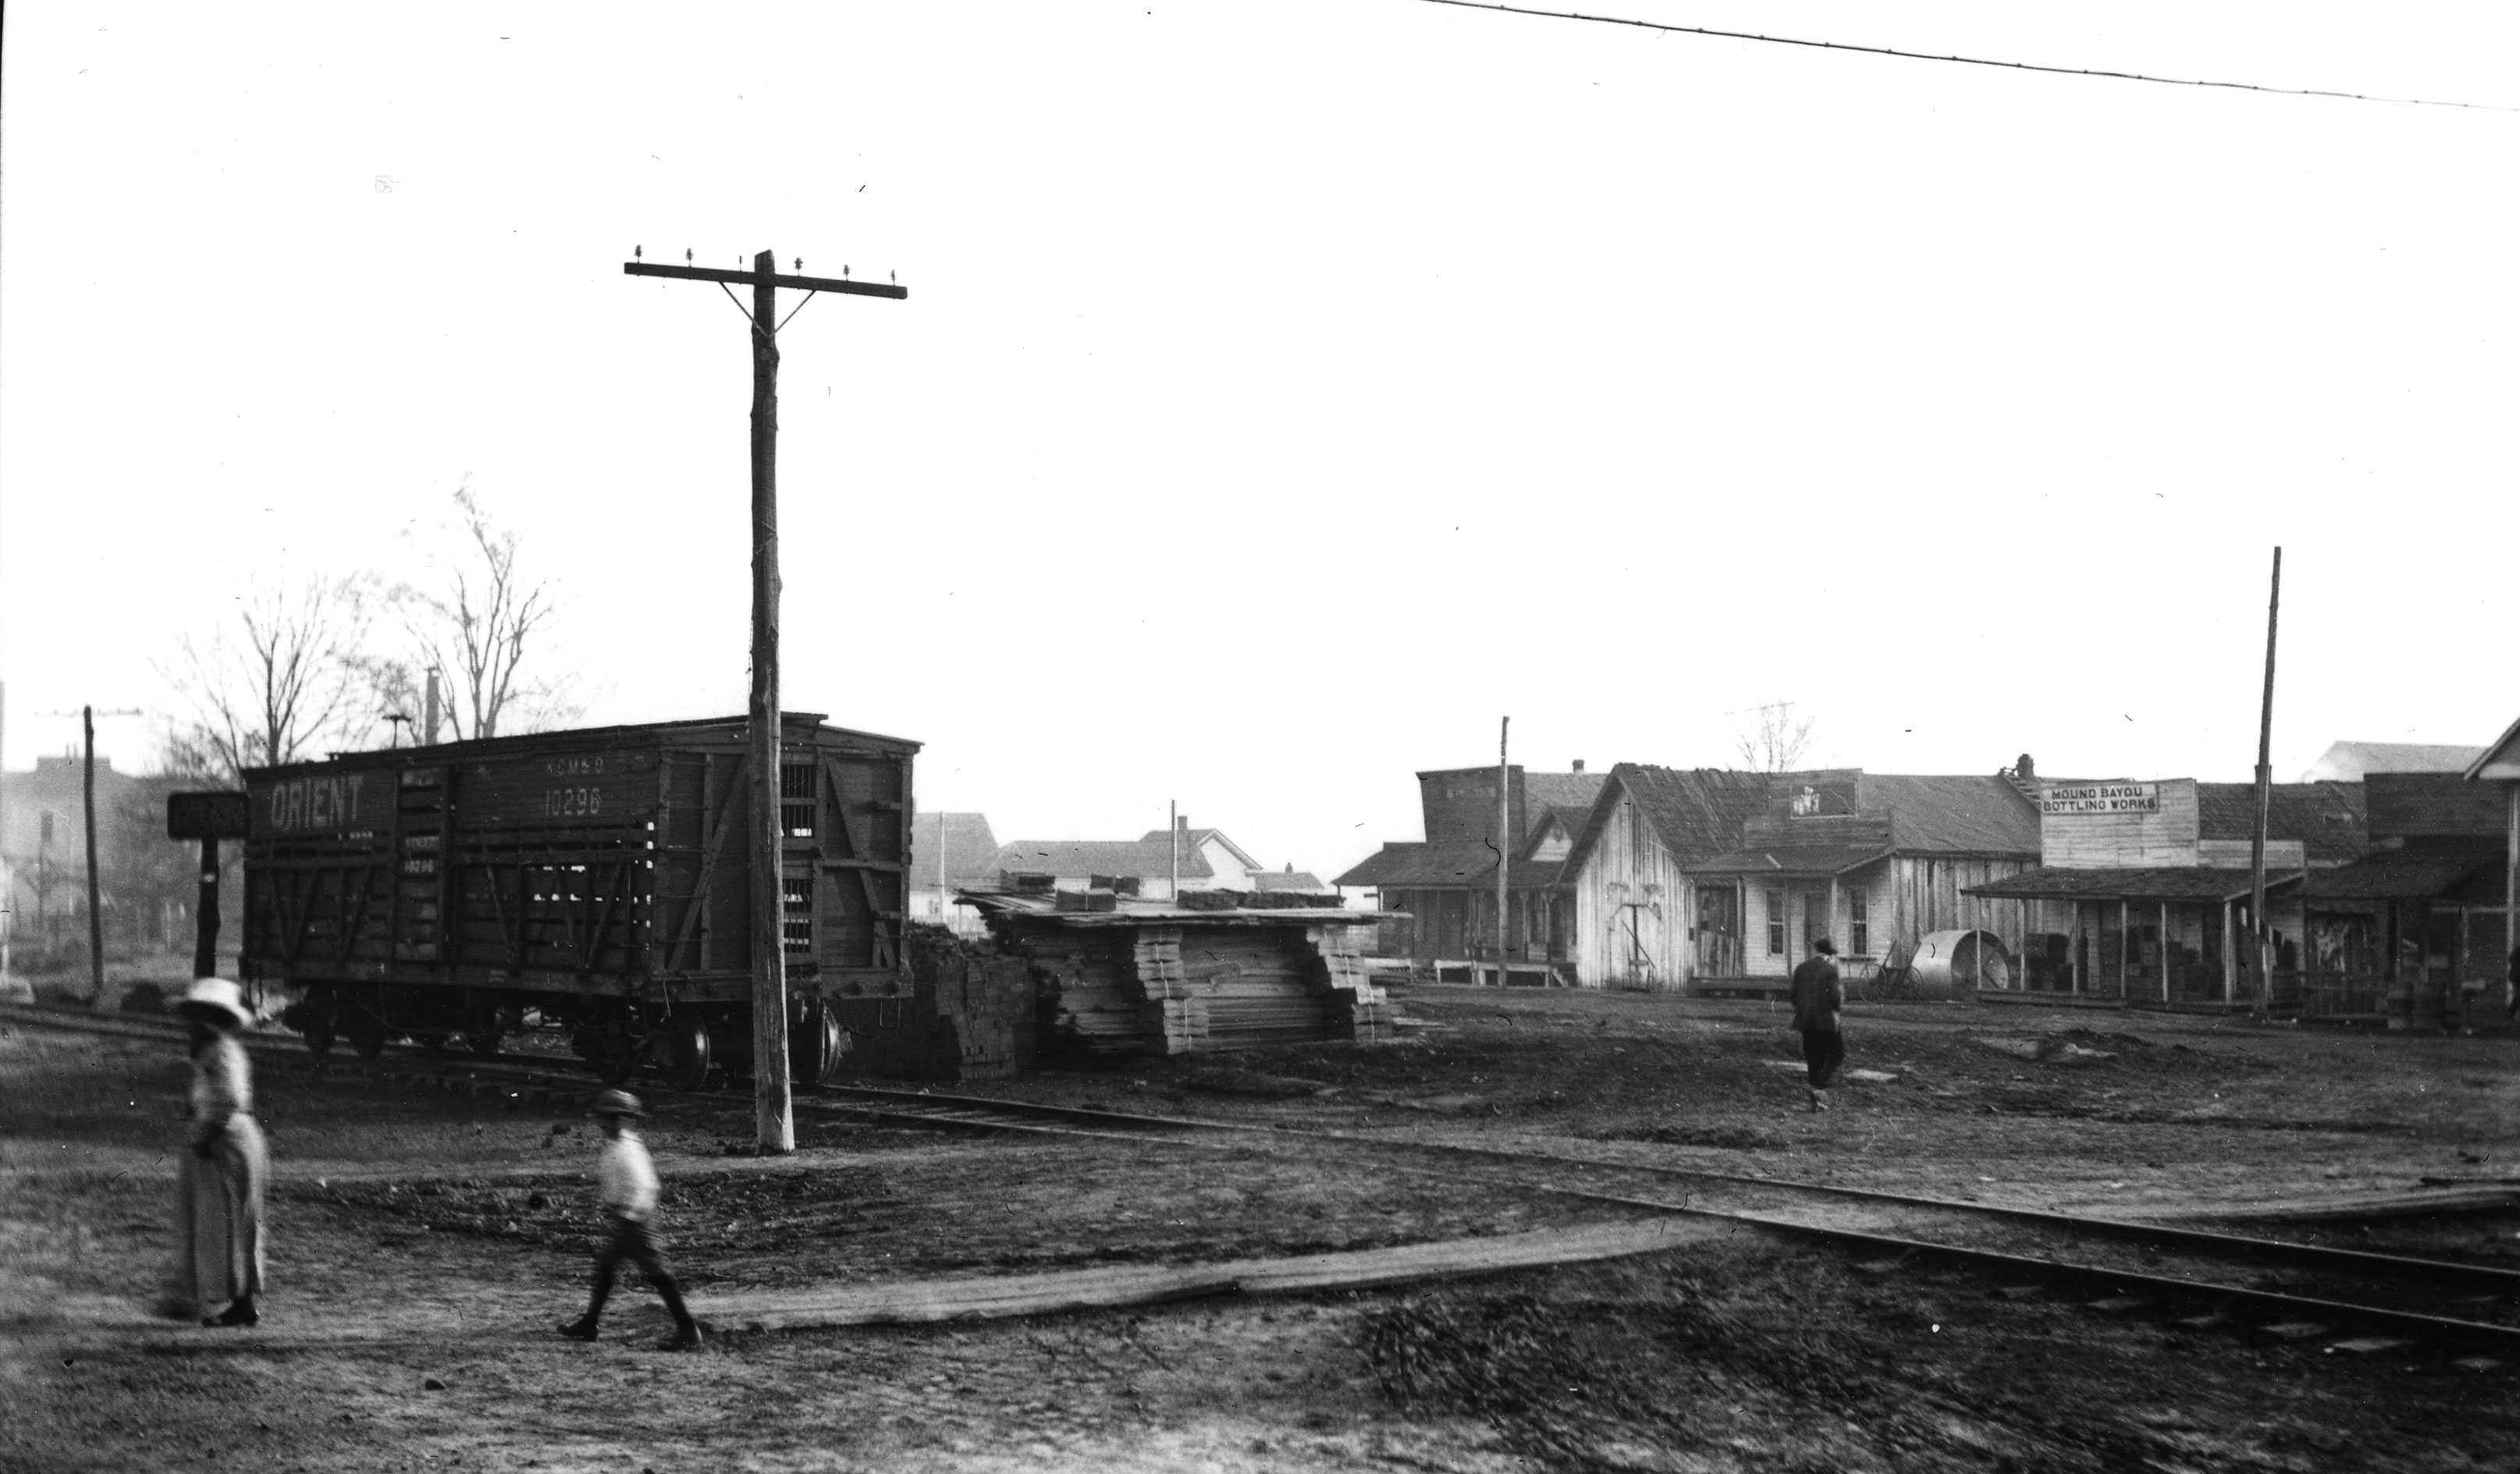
426 1240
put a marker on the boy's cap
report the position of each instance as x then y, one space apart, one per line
618 1103
1824 946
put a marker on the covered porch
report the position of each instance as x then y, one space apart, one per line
2415 937
2169 937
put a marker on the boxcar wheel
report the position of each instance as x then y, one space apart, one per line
681 1046
816 1043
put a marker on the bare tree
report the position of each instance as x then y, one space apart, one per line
1776 742
289 680
476 630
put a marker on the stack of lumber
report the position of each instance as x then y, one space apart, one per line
1174 1015
1354 1008
1088 900
967 1017
1208 900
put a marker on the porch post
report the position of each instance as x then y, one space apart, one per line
2229 958
2126 950
2164 951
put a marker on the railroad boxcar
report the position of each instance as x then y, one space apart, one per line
599 878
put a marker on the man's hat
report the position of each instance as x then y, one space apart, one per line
1825 946
618 1103
214 999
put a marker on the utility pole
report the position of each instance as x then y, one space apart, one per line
772 1109
8 873
1505 844
2258 832
95 914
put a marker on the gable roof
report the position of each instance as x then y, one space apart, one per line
1561 790
2347 762
1294 880
2326 818
1100 857
1193 838
951 849
1695 812
2504 753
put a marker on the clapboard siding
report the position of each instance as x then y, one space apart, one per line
2101 840
1628 867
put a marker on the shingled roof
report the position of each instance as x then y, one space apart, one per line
2326 818
1695 812
2182 882
1561 790
1100 857
2429 865
1952 814
1448 863
2406 804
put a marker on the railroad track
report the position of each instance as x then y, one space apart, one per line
2126 1266
2274 1289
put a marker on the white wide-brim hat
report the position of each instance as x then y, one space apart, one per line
216 999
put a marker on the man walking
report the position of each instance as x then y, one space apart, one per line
1818 998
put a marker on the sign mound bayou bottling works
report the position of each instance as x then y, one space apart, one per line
2100 798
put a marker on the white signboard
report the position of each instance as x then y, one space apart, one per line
2100 798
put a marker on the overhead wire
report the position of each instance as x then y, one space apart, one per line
1928 56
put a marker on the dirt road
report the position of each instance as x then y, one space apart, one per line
423 1246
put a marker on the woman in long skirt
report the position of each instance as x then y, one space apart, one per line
220 1214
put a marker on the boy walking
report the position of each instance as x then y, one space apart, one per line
1818 998
627 1188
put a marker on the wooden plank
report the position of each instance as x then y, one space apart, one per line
1008 1296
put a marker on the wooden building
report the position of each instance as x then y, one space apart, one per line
1877 863
1114 975
1636 919
1442 888
2415 931
2142 891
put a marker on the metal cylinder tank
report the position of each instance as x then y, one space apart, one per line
1958 963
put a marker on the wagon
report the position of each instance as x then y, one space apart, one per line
599 878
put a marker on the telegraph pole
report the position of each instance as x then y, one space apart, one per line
772 1109
2257 831
1505 844
94 916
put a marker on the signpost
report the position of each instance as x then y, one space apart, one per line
774 1112
208 817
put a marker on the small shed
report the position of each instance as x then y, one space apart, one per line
1151 977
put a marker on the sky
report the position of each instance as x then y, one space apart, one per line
1287 391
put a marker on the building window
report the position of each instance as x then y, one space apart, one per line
1776 923
1859 933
